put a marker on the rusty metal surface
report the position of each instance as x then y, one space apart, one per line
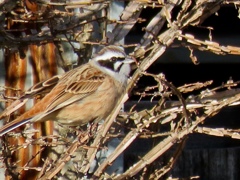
42 61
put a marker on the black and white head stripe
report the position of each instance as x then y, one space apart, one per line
114 61
110 52
111 57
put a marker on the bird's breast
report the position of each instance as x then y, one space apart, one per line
95 106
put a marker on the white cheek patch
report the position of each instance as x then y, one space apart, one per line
117 64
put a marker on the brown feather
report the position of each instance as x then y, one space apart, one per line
85 80
84 94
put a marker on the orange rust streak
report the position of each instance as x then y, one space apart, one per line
44 66
15 77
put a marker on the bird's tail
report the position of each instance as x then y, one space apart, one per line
13 125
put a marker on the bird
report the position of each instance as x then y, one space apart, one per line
87 93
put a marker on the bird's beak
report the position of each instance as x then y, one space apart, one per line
130 60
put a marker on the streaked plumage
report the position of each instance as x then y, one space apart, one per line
86 93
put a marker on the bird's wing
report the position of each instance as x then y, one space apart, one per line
26 117
79 83
42 87
73 86
39 88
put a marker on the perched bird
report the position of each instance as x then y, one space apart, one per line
81 95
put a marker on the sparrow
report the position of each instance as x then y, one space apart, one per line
85 94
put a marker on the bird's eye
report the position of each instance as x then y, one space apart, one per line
113 59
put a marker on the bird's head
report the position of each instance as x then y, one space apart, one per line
114 60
